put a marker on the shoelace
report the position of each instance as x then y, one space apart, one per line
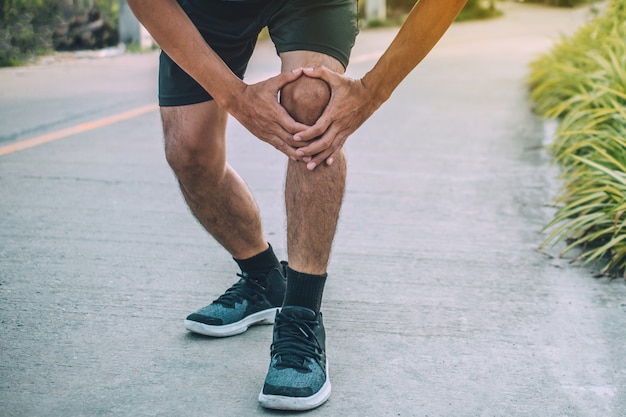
244 289
297 342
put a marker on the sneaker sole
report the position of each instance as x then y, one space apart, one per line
280 402
260 317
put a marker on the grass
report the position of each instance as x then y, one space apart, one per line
397 11
478 9
582 82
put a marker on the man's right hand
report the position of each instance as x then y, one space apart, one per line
257 108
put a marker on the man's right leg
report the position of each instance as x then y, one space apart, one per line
195 148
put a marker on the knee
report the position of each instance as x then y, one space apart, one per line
191 157
305 99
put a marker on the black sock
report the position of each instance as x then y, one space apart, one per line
260 264
304 290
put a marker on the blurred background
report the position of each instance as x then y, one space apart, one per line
30 28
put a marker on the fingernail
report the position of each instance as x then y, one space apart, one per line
297 138
330 161
311 166
296 70
307 159
308 69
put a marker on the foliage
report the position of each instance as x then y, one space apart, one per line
582 81
26 29
559 3
27 26
474 9
478 9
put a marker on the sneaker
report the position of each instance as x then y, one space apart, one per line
246 303
298 374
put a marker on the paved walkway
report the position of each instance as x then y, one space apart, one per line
438 303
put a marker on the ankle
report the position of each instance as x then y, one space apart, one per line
257 266
304 290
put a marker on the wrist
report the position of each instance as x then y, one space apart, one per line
379 92
228 93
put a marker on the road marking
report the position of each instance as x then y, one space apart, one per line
84 127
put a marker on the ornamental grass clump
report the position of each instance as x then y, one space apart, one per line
582 82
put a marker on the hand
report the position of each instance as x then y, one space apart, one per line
351 103
257 108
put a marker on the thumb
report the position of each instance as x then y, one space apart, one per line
320 72
286 77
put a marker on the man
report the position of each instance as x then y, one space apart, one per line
206 47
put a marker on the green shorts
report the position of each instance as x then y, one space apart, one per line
231 28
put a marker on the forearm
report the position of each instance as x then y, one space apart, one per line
425 25
180 39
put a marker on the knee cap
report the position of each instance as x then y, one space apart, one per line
305 99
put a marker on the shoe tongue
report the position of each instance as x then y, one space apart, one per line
302 313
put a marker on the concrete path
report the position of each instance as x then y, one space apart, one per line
438 302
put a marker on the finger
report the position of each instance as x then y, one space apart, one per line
288 141
287 123
331 77
319 145
283 147
318 159
328 155
285 77
275 84
312 149
331 159
296 144
285 137
310 133
317 72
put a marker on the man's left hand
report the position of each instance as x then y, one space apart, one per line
351 103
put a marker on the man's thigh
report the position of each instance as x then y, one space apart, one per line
199 128
230 28
302 59
325 27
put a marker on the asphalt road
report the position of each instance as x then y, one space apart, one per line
438 302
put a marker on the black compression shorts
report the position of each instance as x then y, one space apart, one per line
231 28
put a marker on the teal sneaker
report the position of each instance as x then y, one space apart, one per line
248 302
297 378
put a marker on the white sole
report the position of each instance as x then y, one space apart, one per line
260 317
280 402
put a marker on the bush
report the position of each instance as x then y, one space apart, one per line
26 29
582 81
478 9
474 9
559 3
27 26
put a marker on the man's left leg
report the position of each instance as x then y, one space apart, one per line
298 375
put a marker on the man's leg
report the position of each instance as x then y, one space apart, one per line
313 198
195 149
298 375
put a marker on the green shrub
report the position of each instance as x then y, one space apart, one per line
474 9
582 82
27 26
478 9
559 3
